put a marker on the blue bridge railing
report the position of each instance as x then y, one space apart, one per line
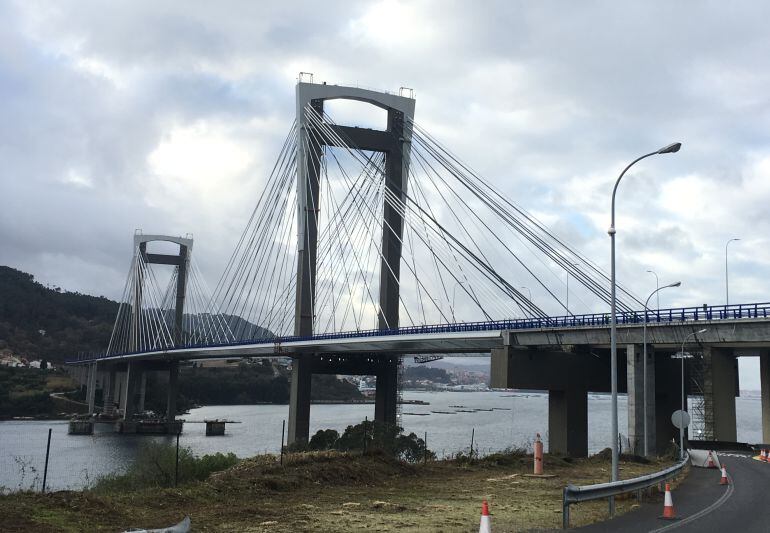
661 316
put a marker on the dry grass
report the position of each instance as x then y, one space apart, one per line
335 492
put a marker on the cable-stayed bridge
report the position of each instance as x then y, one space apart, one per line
371 244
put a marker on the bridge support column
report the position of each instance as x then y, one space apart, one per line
720 389
668 398
108 396
132 380
91 388
568 421
635 381
764 376
567 377
385 402
142 389
173 390
299 400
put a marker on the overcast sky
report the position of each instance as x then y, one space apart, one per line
166 116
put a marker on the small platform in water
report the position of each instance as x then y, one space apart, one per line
81 426
149 427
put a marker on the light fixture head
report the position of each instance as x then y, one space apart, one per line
676 284
670 149
704 330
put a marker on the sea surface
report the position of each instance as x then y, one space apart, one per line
495 420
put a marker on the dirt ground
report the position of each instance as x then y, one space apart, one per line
335 492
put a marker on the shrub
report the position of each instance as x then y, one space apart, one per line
369 436
155 467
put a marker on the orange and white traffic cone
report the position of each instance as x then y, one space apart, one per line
763 456
724 480
711 463
538 455
486 525
668 505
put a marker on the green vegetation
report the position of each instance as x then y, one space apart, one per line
416 373
369 436
155 467
27 391
335 491
38 322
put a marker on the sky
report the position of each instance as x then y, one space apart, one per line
167 116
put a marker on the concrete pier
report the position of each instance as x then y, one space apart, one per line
668 398
568 421
635 385
764 376
299 399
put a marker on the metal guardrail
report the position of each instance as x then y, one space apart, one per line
573 494
655 317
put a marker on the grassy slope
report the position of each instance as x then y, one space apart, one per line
333 492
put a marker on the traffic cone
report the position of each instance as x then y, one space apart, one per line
711 463
763 456
668 505
485 526
724 480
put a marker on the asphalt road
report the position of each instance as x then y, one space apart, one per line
702 505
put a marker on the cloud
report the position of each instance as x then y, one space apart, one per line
168 117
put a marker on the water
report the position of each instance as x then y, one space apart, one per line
77 461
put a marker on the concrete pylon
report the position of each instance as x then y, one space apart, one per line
395 143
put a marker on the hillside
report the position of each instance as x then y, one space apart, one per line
37 322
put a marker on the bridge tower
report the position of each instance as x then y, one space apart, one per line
394 142
135 372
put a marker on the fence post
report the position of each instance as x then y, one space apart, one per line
47 453
283 430
366 423
473 434
176 465
564 510
425 454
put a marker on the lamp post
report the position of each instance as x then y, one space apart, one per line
529 292
727 288
681 425
454 293
644 357
671 148
567 302
657 285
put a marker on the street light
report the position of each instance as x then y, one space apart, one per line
567 306
657 285
681 425
644 356
529 291
727 289
454 293
671 148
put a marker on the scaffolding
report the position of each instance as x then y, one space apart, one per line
702 425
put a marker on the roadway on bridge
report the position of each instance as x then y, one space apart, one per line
702 505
